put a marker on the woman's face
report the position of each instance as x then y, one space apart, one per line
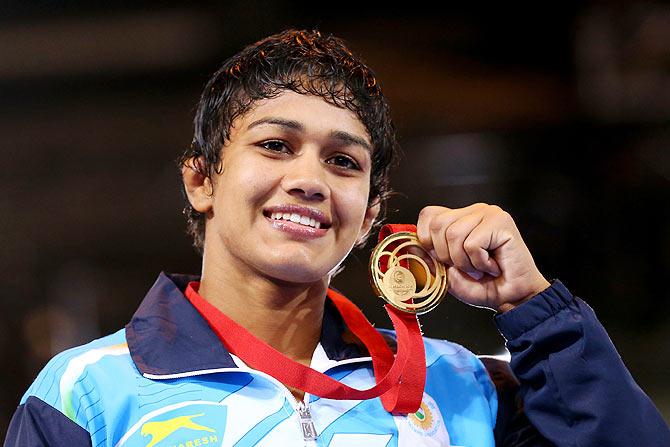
292 198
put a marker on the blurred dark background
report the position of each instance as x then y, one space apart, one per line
559 114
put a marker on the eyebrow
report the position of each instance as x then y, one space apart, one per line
340 135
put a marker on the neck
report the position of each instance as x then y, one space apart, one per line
284 315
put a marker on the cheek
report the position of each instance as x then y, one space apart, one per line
354 204
249 184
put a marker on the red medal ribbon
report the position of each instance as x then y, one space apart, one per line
406 398
400 381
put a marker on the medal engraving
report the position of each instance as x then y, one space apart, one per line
399 284
404 279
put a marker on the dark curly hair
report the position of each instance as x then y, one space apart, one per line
305 62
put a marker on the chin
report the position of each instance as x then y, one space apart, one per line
299 273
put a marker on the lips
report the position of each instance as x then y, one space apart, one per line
298 214
297 218
298 222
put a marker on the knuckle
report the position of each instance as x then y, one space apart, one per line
435 224
471 246
497 210
427 211
453 232
504 216
479 206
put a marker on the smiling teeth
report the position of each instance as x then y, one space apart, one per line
297 218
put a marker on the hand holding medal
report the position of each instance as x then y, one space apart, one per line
477 250
414 283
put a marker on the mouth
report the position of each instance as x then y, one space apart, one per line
302 215
296 218
299 215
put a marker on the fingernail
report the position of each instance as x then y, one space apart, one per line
476 275
432 253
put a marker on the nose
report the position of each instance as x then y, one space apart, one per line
306 178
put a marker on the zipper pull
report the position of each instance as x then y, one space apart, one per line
308 429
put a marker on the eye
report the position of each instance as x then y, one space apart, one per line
275 146
344 161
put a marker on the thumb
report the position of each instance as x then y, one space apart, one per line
464 287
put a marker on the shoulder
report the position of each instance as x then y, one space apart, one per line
437 349
65 402
74 371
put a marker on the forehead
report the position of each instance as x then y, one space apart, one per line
312 112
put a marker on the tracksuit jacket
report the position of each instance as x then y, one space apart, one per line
167 380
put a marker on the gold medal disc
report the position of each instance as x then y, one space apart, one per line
404 279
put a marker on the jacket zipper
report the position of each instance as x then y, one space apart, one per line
306 423
301 407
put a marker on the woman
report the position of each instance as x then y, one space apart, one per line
287 173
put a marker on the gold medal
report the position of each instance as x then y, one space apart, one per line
404 279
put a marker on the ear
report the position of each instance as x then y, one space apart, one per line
370 215
197 185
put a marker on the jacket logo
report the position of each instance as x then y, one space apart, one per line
160 430
423 421
427 421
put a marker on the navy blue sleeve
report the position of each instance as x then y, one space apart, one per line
512 426
37 424
576 390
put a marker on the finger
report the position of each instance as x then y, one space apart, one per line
440 248
456 234
433 219
423 254
423 225
475 247
432 223
465 288
502 227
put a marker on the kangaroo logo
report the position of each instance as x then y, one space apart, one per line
160 430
